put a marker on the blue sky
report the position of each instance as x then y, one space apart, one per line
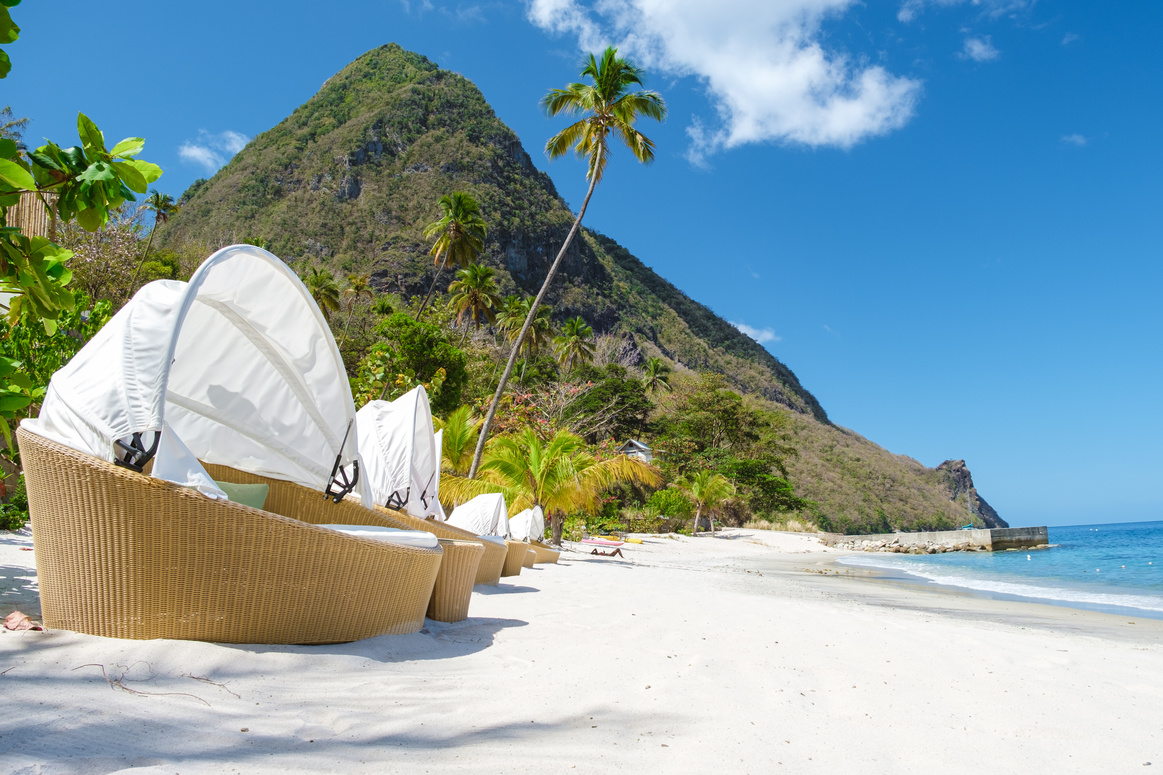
943 215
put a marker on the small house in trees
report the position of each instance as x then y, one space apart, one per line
636 449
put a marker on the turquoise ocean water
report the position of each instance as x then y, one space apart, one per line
1115 568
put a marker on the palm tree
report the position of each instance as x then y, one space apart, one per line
514 316
475 296
706 490
162 206
324 290
460 236
575 344
656 375
609 108
358 286
460 439
561 475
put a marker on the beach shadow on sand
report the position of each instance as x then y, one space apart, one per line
435 641
18 591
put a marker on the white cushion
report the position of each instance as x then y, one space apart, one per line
494 539
419 538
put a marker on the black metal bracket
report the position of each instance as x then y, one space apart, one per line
136 455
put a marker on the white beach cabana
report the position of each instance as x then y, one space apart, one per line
529 525
236 367
400 454
485 515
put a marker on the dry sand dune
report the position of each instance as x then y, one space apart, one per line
692 655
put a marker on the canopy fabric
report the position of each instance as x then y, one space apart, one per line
399 453
484 515
238 365
439 442
529 524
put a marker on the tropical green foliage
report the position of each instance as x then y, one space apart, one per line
706 490
561 476
656 375
459 236
460 439
575 344
324 289
474 295
412 353
609 107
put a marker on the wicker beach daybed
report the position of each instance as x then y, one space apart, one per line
529 527
401 459
235 370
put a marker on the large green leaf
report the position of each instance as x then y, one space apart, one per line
98 170
90 218
7 148
8 29
150 172
130 146
91 138
131 177
16 176
11 402
5 65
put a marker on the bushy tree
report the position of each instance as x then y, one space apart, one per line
421 350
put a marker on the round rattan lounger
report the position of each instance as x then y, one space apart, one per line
545 554
493 560
125 555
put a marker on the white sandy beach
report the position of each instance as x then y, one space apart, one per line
692 655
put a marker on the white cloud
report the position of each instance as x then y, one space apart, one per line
979 49
1075 140
211 151
761 335
1069 38
910 9
763 64
831 330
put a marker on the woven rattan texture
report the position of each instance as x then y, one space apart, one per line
530 558
124 555
453 590
452 586
514 558
489 571
544 552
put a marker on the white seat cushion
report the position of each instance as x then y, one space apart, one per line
494 539
419 538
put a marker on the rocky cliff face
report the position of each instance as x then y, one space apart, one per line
961 481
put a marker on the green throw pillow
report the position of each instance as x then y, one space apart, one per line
253 495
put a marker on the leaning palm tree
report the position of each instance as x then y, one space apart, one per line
609 108
474 296
575 344
460 439
162 206
706 490
359 286
561 475
323 289
656 375
460 236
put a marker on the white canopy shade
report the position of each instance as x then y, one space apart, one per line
529 524
484 515
399 453
237 366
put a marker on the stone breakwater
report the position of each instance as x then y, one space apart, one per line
986 540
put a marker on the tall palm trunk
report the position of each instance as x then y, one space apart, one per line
431 288
476 458
695 526
556 523
141 263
